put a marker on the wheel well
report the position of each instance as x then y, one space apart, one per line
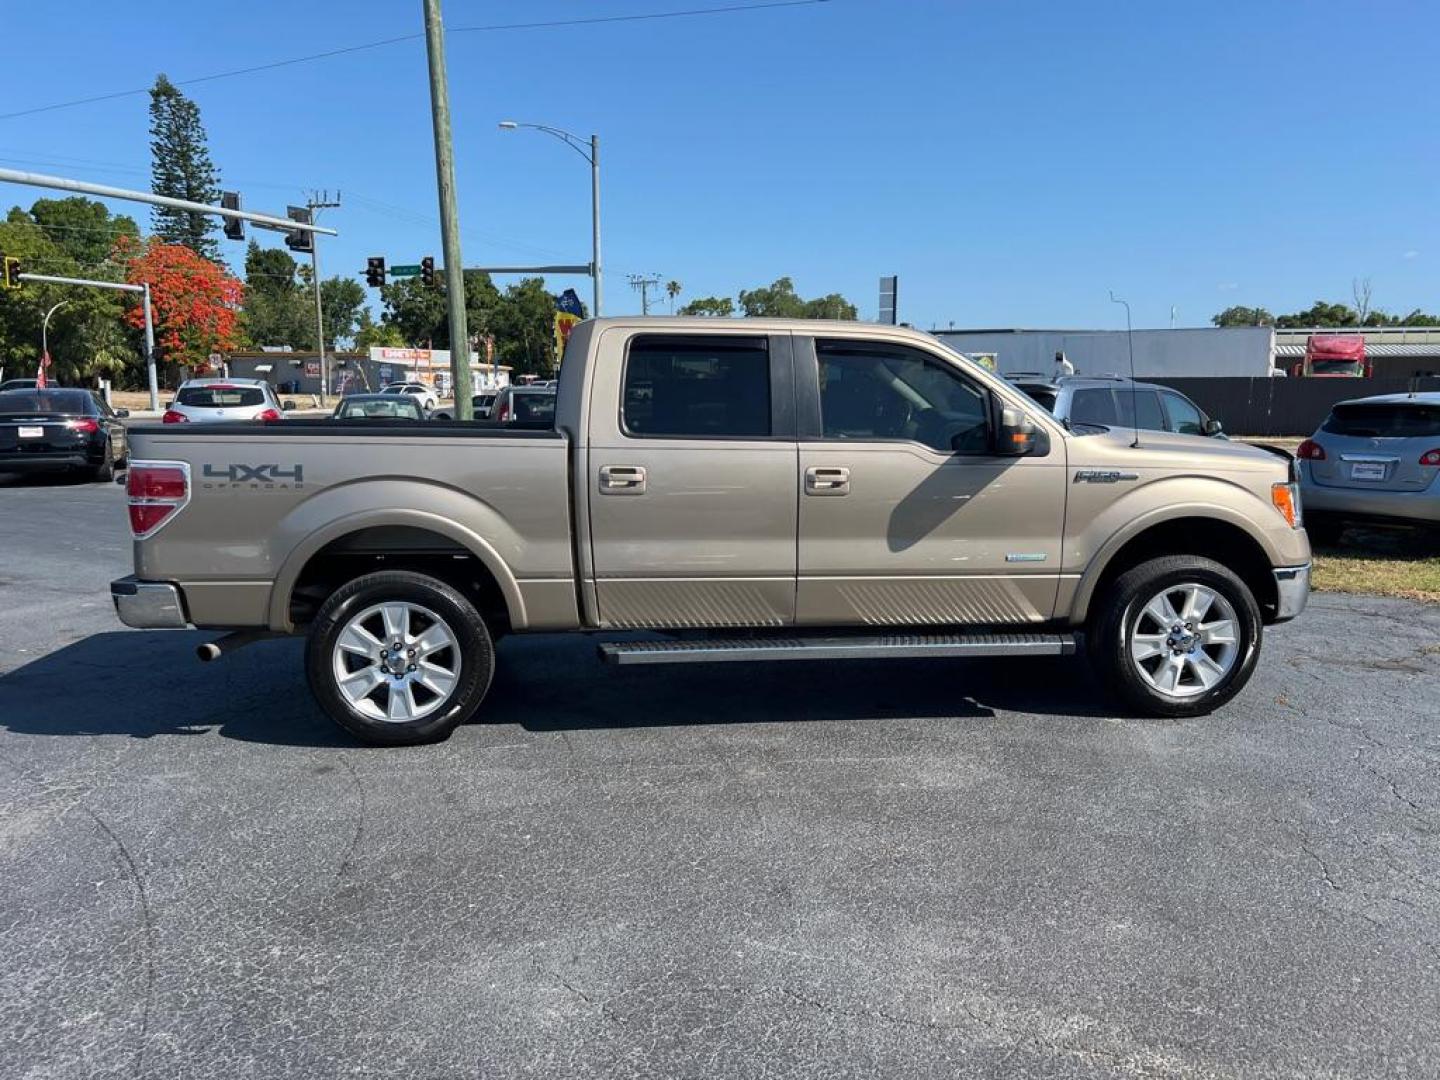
1207 537
397 547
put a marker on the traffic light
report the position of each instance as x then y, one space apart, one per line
427 270
10 278
299 239
375 271
234 227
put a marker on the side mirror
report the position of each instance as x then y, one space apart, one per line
286 406
122 413
1213 427
1017 435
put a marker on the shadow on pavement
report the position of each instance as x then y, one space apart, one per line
148 684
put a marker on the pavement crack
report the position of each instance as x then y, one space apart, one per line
347 861
1320 862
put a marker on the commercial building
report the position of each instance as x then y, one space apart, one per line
1402 352
1200 351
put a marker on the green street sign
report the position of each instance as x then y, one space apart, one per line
405 271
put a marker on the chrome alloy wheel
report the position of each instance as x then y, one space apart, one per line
1185 640
396 662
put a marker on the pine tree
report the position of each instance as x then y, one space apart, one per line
181 168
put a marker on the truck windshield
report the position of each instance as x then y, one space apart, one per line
1336 367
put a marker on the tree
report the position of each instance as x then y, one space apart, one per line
716 306
196 303
88 336
673 289
1243 316
82 229
181 169
523 325
275 309
1360 289
369 333
341 299
1319 314
780 299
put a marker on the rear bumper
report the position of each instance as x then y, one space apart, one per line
1361 503
1292 591
148 605
33 462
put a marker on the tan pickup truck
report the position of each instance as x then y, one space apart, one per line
750 491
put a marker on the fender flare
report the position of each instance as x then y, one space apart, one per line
300 555
1095 570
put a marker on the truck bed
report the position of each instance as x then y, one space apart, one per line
270 504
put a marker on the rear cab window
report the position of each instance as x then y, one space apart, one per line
705 386
1145 403
533 407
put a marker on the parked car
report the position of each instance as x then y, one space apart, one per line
481 406
17 384
1114 400
751 490
223 400
1373 459
61 429
426 395
525 404
378 407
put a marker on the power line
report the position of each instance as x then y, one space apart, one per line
726 9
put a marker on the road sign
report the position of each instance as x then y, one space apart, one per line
405 271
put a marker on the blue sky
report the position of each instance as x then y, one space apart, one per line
1011 160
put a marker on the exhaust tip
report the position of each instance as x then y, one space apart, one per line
207 652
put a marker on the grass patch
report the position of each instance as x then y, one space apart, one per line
1385 562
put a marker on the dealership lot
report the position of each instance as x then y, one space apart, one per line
917 868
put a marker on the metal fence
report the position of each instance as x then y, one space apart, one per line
1283 406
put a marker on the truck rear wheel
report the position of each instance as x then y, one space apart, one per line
398 658
1176 636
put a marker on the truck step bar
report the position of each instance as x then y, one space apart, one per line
868 647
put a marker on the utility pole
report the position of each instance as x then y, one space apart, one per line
449 215
320 201
642 284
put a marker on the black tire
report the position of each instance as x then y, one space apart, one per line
1325 531
1114 619
476 656
105 471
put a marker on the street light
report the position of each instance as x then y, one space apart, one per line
45 330
590 151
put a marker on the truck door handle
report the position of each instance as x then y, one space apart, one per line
622 479
822 481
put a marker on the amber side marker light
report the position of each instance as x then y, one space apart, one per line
1286 498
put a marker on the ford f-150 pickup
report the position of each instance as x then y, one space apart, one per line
748 490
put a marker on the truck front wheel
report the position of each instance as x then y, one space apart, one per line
398 658
1176 636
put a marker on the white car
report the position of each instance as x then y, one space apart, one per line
221 400
426 395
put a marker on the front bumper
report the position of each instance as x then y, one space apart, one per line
148 605
1292 591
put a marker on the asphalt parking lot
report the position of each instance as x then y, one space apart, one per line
927 869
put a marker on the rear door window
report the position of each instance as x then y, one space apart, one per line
1389 420
707 386
1093 406
221 397
1144 402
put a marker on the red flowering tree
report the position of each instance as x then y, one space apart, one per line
196 304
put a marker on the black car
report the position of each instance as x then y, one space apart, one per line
60 429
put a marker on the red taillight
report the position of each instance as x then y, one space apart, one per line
268 414
504 412
173 417
1430 457
84 427
155 491
1310 450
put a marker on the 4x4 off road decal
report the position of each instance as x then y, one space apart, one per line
253 476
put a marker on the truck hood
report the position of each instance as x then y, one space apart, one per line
1167 450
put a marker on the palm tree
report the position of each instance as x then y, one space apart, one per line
672 289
